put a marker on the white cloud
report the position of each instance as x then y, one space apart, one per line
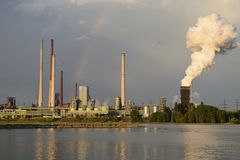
126 2
82 21
81 38
80 2
38 7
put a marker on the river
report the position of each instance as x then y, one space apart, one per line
151 142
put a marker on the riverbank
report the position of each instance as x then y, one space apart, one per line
29 125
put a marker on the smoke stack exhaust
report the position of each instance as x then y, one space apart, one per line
185 94
123 80
61 88
210 36
40 94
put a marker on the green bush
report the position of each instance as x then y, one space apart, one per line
135 116
234 121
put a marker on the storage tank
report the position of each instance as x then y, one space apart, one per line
146 111
155 109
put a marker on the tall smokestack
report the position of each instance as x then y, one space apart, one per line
40 94
53 81
185 94
123 80
61 88
76 90
51 97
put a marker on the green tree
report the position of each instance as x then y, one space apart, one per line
135 116
160 117
178 117
222 116
206 114
191 117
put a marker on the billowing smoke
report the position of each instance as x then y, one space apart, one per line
211 35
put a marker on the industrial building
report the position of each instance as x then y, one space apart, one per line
10 103
163 104
118 103
149 109
84 95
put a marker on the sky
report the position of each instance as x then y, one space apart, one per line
90 36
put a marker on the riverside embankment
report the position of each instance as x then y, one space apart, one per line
28 125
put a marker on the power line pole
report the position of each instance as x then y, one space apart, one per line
237 103
224 104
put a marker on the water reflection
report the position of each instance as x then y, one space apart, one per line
187 142
51 146
122 150
44 145
83 148
199 144
38 145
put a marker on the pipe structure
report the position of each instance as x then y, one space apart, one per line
61 88
40 94
123 80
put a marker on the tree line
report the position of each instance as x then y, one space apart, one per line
189 114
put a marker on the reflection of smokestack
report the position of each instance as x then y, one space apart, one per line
40 94
61 88
51 97
123 80
185 94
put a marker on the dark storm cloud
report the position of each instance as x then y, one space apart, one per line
89 37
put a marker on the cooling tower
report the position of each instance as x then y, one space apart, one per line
185 94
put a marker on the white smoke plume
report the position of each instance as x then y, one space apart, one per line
211 35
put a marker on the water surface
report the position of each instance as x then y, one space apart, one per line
152 142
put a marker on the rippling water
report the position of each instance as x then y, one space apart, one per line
151 142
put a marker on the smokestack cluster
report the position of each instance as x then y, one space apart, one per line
211 35
51 96
123 80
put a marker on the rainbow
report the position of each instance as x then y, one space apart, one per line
97 25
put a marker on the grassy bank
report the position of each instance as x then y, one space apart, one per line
28 125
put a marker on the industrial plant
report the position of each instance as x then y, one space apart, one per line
81 105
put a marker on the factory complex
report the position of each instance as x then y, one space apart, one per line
82 104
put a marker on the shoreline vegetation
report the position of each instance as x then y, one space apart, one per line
180 114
